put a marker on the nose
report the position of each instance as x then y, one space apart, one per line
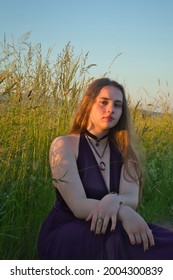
111 108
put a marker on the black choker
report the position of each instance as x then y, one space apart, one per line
95 137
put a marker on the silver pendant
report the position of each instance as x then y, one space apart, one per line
102 166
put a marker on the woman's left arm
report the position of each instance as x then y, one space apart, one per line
128 190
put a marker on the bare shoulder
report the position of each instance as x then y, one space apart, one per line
66 143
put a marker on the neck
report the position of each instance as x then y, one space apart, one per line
96 138
97 135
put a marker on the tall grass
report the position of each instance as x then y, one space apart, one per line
37 100
155 132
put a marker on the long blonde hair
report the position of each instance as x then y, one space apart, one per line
121 133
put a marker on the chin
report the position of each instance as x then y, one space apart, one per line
109 126
106 129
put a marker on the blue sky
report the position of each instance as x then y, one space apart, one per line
141 30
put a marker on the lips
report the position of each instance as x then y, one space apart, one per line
108 118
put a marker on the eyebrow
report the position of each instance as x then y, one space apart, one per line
105 98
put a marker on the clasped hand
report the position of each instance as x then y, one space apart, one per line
106 210
135 226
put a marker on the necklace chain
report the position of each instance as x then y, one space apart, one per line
102 164
100 156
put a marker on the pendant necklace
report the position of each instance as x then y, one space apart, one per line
102 164
95 137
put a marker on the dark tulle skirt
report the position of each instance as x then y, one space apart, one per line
71 239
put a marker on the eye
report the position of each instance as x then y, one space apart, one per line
118 105
104 102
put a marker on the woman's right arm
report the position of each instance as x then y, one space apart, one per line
66 177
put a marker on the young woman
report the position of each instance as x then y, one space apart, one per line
97 175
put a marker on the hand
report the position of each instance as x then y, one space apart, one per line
136 227
105 211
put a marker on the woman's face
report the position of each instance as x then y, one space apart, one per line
106 110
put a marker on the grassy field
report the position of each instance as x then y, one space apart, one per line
37 100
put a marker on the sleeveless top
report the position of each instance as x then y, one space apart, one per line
90 174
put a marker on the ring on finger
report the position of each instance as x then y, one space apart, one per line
100 220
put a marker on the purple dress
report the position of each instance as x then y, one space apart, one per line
65 237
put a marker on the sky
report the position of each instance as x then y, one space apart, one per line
140 31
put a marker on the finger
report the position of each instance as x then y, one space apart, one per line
105 224
138 238
94 222
114 222
145 241
150 237
132 239
99 225
89 217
